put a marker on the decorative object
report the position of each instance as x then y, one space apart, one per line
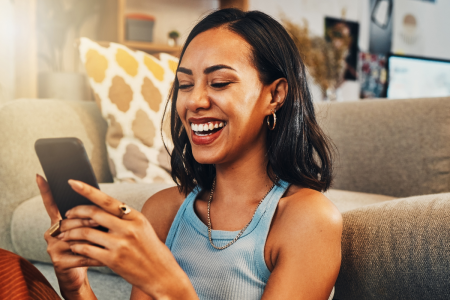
344 36
408 31
380 27
243 229
173 38
139 27
324 59
124 210
382 13
372 75
131 89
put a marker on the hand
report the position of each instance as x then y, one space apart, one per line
70 269
130 248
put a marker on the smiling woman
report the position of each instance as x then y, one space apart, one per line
247 219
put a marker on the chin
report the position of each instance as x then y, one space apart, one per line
206 156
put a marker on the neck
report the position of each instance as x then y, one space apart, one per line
244 180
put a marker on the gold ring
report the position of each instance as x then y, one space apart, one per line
124 210
55 229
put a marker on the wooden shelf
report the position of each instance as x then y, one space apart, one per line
152 47
147 47
113 27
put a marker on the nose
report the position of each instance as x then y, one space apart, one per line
198 99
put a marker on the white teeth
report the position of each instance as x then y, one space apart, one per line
206 127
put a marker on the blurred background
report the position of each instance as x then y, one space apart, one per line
39 40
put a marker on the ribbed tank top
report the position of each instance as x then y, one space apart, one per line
237 272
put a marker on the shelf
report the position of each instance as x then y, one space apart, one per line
148 47
152 47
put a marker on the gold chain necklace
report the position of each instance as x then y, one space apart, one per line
243 229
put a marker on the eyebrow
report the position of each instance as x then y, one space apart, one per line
207 71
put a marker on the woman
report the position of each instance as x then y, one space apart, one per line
247 220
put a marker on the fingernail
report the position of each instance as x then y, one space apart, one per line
61 235
93 223
68 212
75 184
37 178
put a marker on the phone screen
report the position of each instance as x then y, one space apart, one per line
63 159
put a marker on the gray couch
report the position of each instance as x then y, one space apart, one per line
392 248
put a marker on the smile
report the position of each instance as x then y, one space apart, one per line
207 128
206 133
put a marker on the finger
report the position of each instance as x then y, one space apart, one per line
69 261
90 235
106 202
91 252
69 224
47 197
96 214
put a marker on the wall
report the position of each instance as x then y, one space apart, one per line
431 36
7 73
313 12
180 15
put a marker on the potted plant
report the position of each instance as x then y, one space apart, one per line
325 60
173 38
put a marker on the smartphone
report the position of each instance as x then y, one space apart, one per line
63 159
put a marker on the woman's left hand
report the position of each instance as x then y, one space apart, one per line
131 247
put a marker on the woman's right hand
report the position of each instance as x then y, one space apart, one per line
72 279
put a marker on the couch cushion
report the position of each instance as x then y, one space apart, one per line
105 287
131 89
24 121
346 200
398 148
399 249
30 220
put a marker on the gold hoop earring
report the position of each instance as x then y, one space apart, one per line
274 120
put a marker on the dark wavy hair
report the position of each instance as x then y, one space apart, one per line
298 151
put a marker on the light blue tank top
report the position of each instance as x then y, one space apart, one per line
237 272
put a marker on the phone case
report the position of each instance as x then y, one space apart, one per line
63 159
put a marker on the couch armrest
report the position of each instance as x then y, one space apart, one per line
24 121
399 249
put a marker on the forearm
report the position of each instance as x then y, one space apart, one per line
171 287
84 293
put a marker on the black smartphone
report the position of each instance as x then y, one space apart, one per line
63 159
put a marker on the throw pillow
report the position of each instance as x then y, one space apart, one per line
131 88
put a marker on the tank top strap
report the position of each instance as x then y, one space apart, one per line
262 230
176 222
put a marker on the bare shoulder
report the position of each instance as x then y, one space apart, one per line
303 249
305 214
308 204
161 209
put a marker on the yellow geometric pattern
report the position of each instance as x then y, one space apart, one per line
131 89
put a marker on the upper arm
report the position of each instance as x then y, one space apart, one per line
160 210
308 252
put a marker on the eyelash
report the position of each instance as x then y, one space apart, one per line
214 85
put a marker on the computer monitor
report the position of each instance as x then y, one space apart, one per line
417 77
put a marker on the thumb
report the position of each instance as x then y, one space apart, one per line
47 197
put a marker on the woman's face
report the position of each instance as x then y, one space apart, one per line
221 100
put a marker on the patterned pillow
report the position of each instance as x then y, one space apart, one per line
131 88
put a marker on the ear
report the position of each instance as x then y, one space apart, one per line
278 91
